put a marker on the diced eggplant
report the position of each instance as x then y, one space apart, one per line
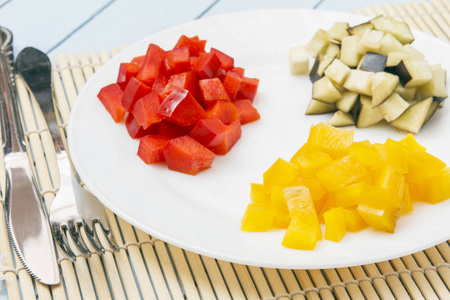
390 44
373 62
299 60
398 29
349 51
359 81
413 73
333 50
340 119
324 64
337 71
318 44
383 85
393 107
433 107
313 74
368 115
409 94
338 31
318 107
414 117
413 53
377 22
359 30
436 87
370 41
395 57
324 90
347 102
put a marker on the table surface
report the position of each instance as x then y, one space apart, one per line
63 27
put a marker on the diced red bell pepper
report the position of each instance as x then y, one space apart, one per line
186 155
231 83
225 111
181 108
187 81
171 130
196 46
145 110
111 98
159 84
247 111
193 59
221 73
138 60
248 88
126 71
133 92
233 135
181 59
212 91
151 148
209 132
226 60
239 71
135 130
207 65
150 68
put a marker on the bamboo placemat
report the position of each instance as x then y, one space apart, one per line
151 269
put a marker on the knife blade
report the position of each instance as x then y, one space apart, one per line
27 223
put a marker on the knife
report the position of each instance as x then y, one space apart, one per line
27 223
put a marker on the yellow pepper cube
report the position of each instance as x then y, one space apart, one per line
366 153
257 219
342 172
258 195
334 224
353 220
393 153
306 148
277 199
310 163
388 178
350 195
406 200
282 219
377 210
299 235
280 173
316 188
334 141
422 165
330 202
410 143
437 187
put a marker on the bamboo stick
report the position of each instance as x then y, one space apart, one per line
419 277
378 281
351 284
332 277
406 278
231 279
260 282
291 284
216 278
311 292
184 272
392 280
276 284
364 282
433 277
246 281
200 276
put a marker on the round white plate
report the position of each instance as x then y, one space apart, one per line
203 213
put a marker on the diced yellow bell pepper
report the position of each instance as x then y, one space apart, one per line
302 151
299 235
437 187
280 173
422 165
342 172
277 198
388 178
406 200
316 188
334 224
330 202
353 220
258 195
366 153
309 163
392 153
349 195
334 141
257 218
410 143
282 219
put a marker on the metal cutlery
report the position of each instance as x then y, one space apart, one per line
26 220
73 207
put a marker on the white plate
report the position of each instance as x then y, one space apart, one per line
203 213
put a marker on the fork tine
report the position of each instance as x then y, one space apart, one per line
92 236
76 237
61 239
109 236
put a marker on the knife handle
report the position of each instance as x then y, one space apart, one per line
12 130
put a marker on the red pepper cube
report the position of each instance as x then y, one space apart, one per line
135 130
126 71
247 111
207 65
138 60
150 67
239 71
231 83
151 148
181 108
248 88
167 66
111 98
212 91
145 110
225 111
221 73
226 60
186 155
196 46
187 81
133 92
181 59
171 130
233 135
209 132
159 84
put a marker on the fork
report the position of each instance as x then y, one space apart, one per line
73 206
